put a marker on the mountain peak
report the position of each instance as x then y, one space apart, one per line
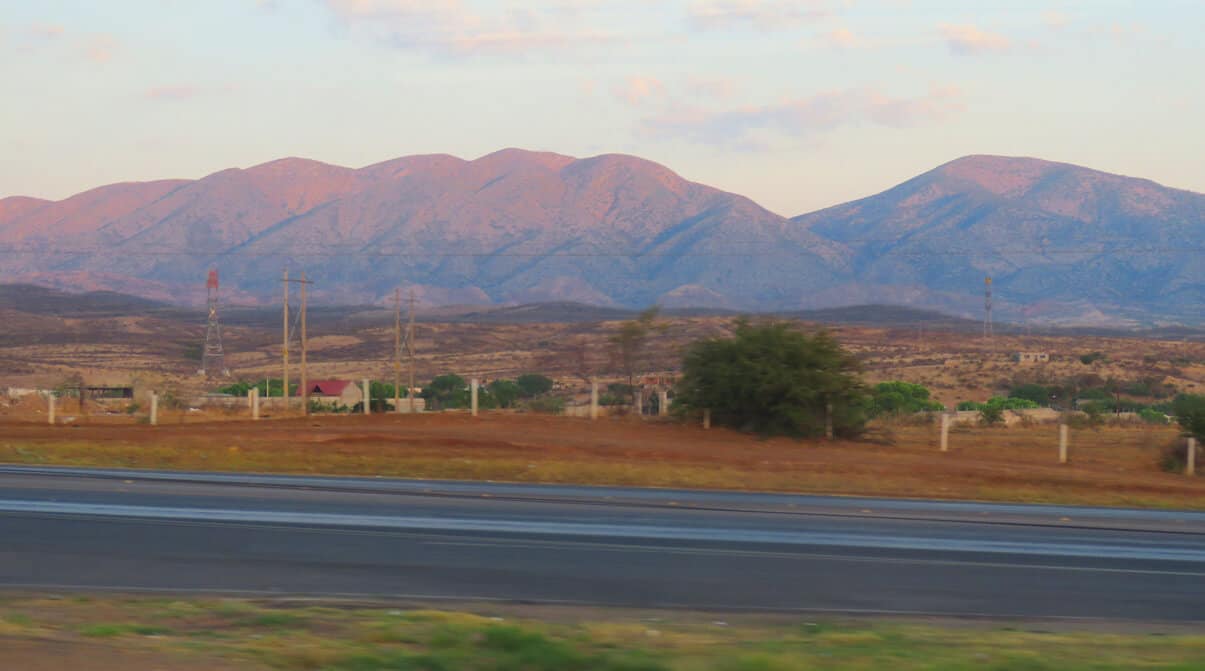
513 157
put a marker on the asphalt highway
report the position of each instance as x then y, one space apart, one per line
76 529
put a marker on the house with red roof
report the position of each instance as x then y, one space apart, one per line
336 392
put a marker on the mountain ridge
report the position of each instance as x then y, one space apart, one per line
517 226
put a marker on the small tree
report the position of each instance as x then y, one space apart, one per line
505 392
991 414
772 379
447 391
532 385
629 343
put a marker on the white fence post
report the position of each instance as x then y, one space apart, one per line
945 432
707 418
473 396
154 409
255 403
1064 430
1190 466
367 397
50 408
594 399
663 403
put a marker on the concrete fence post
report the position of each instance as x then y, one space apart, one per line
154 409
1190 464
1064 430
473 396
255 403
663 403
593 400
367 397
828 421
707 418
50 408
945 432
639 400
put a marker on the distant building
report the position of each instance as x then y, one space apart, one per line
336 392
1031 357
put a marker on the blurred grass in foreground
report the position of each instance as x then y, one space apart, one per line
239 634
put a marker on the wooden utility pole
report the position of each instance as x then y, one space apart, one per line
305 389
284 389
397 349
410 351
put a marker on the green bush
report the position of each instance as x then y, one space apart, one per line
1031 392
990 415
1091 357
548 404
773 380
532 385
1189 410
901 398
1152 416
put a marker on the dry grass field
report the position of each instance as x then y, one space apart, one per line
1111 466
177 633
1116 466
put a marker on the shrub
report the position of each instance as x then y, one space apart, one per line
547 404
773 380
1190 414
991 415
1091 357
532 385
1032 392
901 398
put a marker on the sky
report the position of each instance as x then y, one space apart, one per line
797 104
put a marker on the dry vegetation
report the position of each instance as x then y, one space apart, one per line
1111 466
1114 465
108 633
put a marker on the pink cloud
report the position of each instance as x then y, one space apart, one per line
758 14
966 39
453 28
638 89
804 116
171 93
100 49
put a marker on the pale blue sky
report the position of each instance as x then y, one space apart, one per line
798 104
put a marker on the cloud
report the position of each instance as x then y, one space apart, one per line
966 39
172 93
717 88
638 89
803 117
100 48
756 14
46 31
844 38
1055 20
452 28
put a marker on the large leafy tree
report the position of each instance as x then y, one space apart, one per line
773 379
1189 410
447 391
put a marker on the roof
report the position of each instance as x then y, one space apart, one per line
329 387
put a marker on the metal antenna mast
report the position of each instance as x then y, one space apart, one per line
213 359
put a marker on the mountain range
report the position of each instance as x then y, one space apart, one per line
1061 242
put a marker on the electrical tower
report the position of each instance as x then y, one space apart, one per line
213 359
987 309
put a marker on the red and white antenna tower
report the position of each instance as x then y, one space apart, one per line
213 359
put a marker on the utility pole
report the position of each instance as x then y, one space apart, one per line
305 389
410 351
284 389
987 310
397 349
